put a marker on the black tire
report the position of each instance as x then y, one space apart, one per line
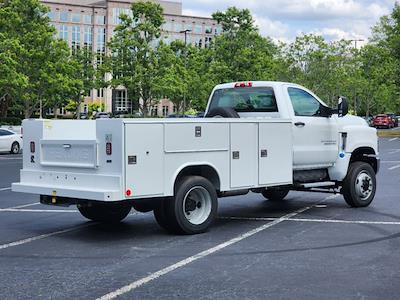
275 194
160 216
106 213
193 208
15 148
222 112
359 186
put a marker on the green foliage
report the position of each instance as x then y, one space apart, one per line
38 68
240 52
133 59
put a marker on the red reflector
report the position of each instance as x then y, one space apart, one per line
243 84
128 193
33 147
108 148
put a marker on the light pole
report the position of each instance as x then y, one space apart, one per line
355 95
186 31
355 42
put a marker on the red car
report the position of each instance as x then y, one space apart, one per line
383 121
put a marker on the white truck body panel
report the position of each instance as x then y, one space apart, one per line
147 156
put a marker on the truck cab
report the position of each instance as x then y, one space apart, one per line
321 139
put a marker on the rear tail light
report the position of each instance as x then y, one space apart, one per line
243 84
108 148
32 146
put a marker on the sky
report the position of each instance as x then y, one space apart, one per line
283 20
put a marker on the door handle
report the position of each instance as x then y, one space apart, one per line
300 124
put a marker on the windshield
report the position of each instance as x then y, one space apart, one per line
256 99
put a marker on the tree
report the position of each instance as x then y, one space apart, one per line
42 65
133 59
240 52
10 79
85 75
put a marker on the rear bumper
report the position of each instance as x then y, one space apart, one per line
74 193
87 186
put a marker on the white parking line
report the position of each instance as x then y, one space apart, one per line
38 210
23 206
40 237
182 263
10 158
5 189
395 167
312 220
393 139
394 152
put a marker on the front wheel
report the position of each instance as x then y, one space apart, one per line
106 213
15 148
359 186
193 208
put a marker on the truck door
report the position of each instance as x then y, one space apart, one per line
315 137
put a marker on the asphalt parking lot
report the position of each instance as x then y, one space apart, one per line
310 246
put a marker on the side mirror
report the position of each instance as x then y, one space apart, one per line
343 106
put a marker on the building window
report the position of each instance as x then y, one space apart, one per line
50 111
100 44
62 111
76 18
208 30
167 26
165 111
64 32
175 109
154 110
85 108
178 27
101 20
198 29
51 15
117 12
87 19
88 37
218 29
188 27
199 43
100 93
76 37
121 101
64 16
207 42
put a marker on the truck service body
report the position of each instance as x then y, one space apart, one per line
266 137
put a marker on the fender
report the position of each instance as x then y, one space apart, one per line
170 188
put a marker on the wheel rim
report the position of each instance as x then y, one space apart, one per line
197 205
364 185
15 148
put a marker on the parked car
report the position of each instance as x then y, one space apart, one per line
395 119
383 121
102 115
369 120
10 141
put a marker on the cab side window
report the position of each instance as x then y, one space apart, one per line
303 103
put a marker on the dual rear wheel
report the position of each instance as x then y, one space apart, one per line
193 208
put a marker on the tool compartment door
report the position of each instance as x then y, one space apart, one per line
144 159
275 154
244 162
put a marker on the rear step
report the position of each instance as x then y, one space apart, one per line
317 185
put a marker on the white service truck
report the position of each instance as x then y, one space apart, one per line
264 137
